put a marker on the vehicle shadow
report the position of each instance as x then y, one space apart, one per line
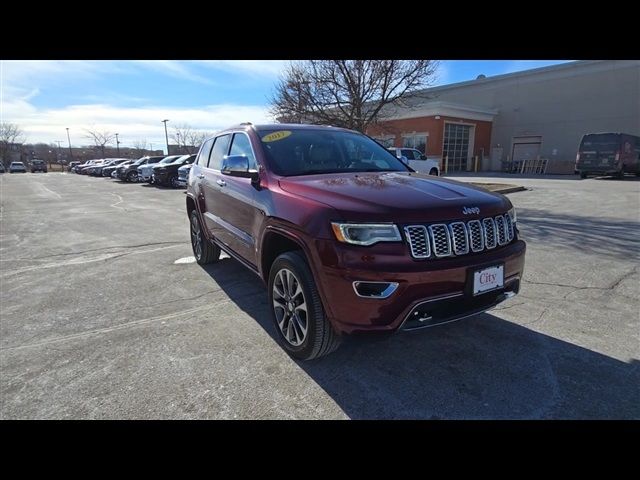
482 367
612 237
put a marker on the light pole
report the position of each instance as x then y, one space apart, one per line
178 135
69 138
118 145
166 135
150 148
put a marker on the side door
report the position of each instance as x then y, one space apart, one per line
197 176
238 213
211 184
412 159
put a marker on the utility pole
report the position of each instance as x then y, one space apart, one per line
166 135
70 152
118 145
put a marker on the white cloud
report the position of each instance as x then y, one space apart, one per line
22 81
48 125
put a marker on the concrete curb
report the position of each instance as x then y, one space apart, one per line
510 189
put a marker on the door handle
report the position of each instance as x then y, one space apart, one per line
222 183
201 176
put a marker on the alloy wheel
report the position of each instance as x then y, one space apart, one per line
196 237
290 307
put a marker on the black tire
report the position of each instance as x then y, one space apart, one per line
321 339
208 252
433 171
132 177
583 175
173 181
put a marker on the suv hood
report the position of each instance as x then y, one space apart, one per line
396 196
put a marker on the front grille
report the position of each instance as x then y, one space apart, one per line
459 238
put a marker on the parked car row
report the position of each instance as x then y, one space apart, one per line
172 170
20 167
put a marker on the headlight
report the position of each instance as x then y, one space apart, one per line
512 214
366 233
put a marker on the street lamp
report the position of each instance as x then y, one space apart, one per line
69 138
118 144
166 135
178 135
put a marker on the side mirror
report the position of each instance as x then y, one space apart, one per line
423 157
238 166
404 159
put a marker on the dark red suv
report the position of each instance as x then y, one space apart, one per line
348 238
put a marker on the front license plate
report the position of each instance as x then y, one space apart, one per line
488 279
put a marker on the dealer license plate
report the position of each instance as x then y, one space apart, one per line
488 279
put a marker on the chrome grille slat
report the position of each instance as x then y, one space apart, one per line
501 230
509 226
418 241
489 233
441 241
476 236
459 239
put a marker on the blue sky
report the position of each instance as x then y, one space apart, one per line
132 97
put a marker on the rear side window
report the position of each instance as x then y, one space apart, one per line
203 155
154 160
242 146
219 150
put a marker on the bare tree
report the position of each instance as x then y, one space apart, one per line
11 136
100 138
347 93
195 139
187 139
140 147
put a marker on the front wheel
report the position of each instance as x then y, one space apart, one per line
433 171
583 175
296 309
132 177
204 251
173 181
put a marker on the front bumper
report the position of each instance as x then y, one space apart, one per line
439 290
160 177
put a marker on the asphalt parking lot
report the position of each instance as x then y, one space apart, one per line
103 315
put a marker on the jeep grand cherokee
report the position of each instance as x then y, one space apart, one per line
346 237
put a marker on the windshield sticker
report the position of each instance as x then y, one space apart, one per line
275 136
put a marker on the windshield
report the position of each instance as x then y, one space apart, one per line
308 152
168 159
38 162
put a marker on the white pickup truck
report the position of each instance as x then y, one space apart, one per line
416 160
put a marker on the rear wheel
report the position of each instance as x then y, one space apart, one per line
203 250
583 175
173 181
303 329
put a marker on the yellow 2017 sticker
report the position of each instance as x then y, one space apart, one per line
275 136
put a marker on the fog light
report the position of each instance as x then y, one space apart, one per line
374 289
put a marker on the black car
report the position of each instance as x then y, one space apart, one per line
129 173
38 166
2 170
167 174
